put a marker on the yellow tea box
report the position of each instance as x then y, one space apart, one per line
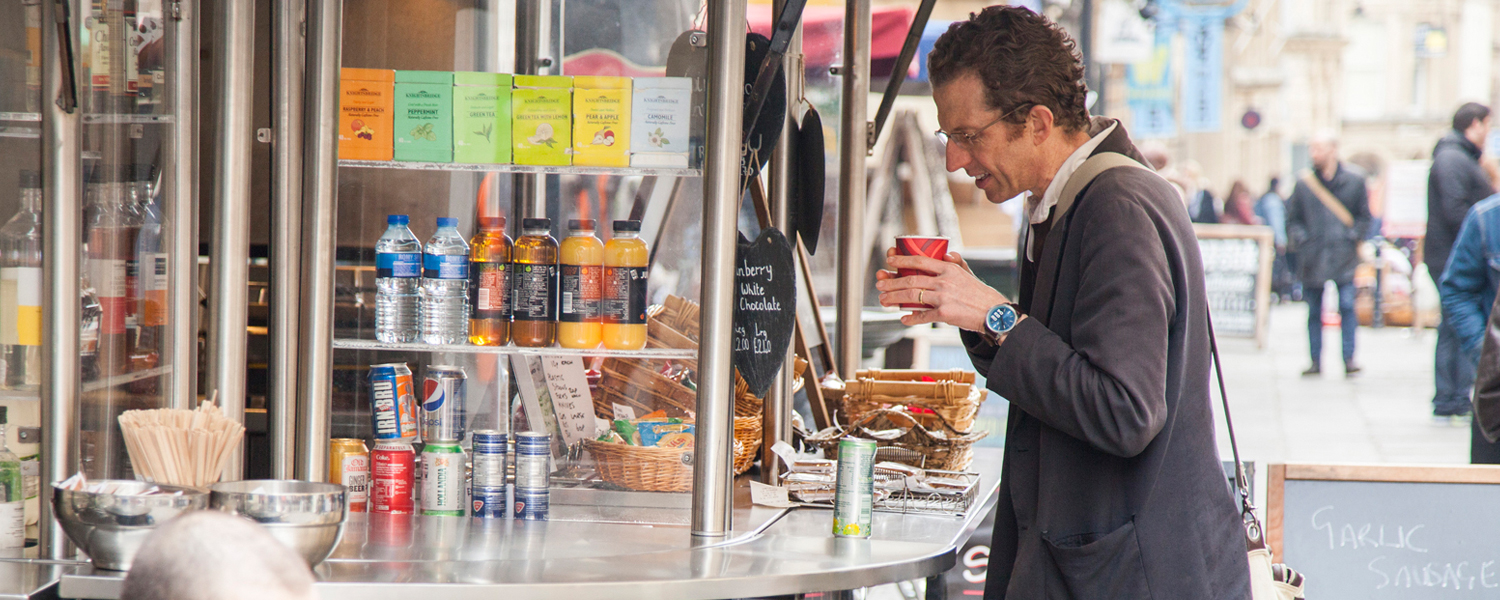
661 110
541 109
601 121
424 116
481 118
366 119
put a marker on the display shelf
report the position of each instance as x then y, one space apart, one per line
25 133
23 117
104 119
35 394
648 353
118 380
535 169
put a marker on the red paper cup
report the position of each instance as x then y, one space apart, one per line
935 247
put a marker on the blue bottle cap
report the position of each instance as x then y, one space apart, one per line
397 220
447 222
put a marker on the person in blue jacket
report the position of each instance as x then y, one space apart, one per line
1468 287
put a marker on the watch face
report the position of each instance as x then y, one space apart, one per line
1001 319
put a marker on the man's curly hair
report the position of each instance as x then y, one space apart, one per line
1022 58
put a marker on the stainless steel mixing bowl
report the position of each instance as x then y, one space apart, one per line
308 517
110 528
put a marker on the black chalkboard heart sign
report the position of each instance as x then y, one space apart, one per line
765 307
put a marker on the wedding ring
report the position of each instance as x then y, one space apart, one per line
919 297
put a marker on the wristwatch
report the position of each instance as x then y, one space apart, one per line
999 321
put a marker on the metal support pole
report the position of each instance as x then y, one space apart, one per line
712 483
229 269
182 214
853 132
319 238
777 424
533 57
62 151
287 54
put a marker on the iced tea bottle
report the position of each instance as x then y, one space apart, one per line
534 275
489 284
625 266
582 265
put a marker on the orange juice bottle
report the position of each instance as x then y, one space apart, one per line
625 265
489 284
582 261
534 295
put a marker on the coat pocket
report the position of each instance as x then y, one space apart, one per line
1107 566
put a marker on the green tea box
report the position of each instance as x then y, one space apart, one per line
424 116
660 112
541 109
481 118
601 121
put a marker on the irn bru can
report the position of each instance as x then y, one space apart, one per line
349 466
393 403
392 468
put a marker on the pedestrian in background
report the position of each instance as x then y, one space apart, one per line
1238 209
1468 287
1326 217
1454 184
1271 210
1202 206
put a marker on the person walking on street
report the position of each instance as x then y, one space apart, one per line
1454 184
1271 210
1468 287
1112 485
1238 209
1326 217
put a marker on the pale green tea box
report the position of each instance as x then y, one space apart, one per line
424 116
481 118
661 110
542 120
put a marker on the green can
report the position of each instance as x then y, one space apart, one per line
443 476
854 497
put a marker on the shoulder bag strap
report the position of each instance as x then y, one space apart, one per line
1086 173
1241 485
1326 197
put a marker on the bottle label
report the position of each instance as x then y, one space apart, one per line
21 306
12 524
398 264
536 292
355 477
154 286
489 289
579 293
108 277
445 266
625 295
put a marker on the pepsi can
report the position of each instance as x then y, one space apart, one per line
393 403
488 502
531 505
533 451
443 406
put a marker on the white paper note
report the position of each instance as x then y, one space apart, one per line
574 406
769 495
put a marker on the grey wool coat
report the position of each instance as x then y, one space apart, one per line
1112 486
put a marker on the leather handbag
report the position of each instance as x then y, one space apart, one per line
1268 580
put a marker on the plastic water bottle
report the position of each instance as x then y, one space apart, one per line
398 274
445 285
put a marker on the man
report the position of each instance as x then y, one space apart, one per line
1468 288
1326 218
210 555
1112 485
1271 210
1454 184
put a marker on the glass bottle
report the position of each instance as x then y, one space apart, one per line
626 261
12 493
112 233
21 290
534 297
152 280
581 256
489 284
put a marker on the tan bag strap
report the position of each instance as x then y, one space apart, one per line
1326 197
1086 173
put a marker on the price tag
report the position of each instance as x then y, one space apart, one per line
623 412
769 495
571 401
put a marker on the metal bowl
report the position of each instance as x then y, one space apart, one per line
110 528
308 517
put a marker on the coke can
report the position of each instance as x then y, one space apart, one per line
531 504
443 409
392 465
393 402
443 477
533 451
349 466
488 502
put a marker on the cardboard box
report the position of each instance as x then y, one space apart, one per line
424 116
481 118
542 120
366 119
601 121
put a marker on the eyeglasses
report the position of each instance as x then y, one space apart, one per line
967 140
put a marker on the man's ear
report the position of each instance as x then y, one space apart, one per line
1040 124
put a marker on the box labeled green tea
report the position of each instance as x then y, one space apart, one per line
542 120
424 116
481 118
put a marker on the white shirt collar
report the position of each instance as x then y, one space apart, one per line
1037 211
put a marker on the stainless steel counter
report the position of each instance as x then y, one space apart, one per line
622 553
25 579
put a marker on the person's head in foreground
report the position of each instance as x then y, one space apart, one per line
210 555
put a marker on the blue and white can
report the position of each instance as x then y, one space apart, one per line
488 503
489 459
533 453
531 505
444 410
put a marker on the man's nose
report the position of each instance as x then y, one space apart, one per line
955 156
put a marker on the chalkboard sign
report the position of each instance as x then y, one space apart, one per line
765 309
1372 532
1237 272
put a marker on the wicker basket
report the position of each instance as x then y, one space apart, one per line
949 402
637 384
747 442
937 450
667 469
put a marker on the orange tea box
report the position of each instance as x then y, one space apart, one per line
366 113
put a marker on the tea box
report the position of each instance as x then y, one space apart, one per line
366 117
424 116
542 120
660 113
601 121
481 118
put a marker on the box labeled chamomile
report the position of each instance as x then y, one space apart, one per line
661 111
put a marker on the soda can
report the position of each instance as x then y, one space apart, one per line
488 502
854 496
393 402
443 409
443 480
392 468
531 504
533 453
349 466
488 459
